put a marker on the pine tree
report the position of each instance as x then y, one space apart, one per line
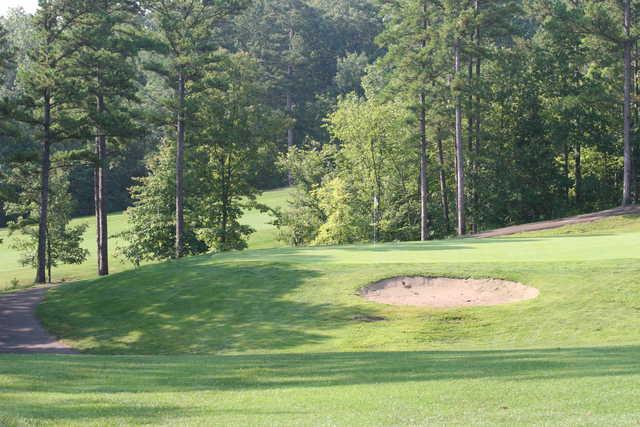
45 81
105 72
291 40
412 42
186 31
612 21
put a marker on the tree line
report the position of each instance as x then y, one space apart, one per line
175 110
392 120
478 114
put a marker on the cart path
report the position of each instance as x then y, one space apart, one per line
547 225
20 329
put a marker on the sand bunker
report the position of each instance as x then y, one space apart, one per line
442 292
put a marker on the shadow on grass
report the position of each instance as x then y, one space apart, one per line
193 306
318 254
133 374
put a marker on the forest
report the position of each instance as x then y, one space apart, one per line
392 120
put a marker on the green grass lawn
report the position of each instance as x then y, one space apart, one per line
275 337
10 268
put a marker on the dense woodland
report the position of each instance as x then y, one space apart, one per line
392 119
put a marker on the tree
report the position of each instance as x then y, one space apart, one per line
63 240
7 55
363 188
186 29
412 43
232 138
151 218
44 81
612 21
104 71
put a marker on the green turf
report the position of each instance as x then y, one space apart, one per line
11 269
588 386
276 337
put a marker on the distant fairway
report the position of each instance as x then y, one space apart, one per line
10 267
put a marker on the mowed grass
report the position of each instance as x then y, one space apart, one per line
11 270
277 337
591 386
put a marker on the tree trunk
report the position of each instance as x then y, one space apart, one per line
45 165
459 150
180 168
470 138
49 260
424 190
224 184
424 186
477 114
290 104
566 173
636 117
627 179
444 192
577 158
99 196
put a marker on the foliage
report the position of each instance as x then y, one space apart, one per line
362 186
63 240
151 219
231 150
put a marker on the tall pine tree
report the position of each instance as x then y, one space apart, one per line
186 31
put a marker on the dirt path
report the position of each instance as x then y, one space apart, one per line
547 225
20 330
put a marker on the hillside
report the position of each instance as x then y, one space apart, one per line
573 224
305 299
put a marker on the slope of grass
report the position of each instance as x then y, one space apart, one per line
616 224
276 337
305 299
10 268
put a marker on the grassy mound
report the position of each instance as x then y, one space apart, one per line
306 299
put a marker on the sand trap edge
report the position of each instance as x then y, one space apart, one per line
446 292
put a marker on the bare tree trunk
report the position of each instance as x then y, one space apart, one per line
477 113
99 196
470 139
459 150
577 158
424 190
566 173
180 168
290 104
424 185
444 192
45 165
636 117
225 205
49 260
626 192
